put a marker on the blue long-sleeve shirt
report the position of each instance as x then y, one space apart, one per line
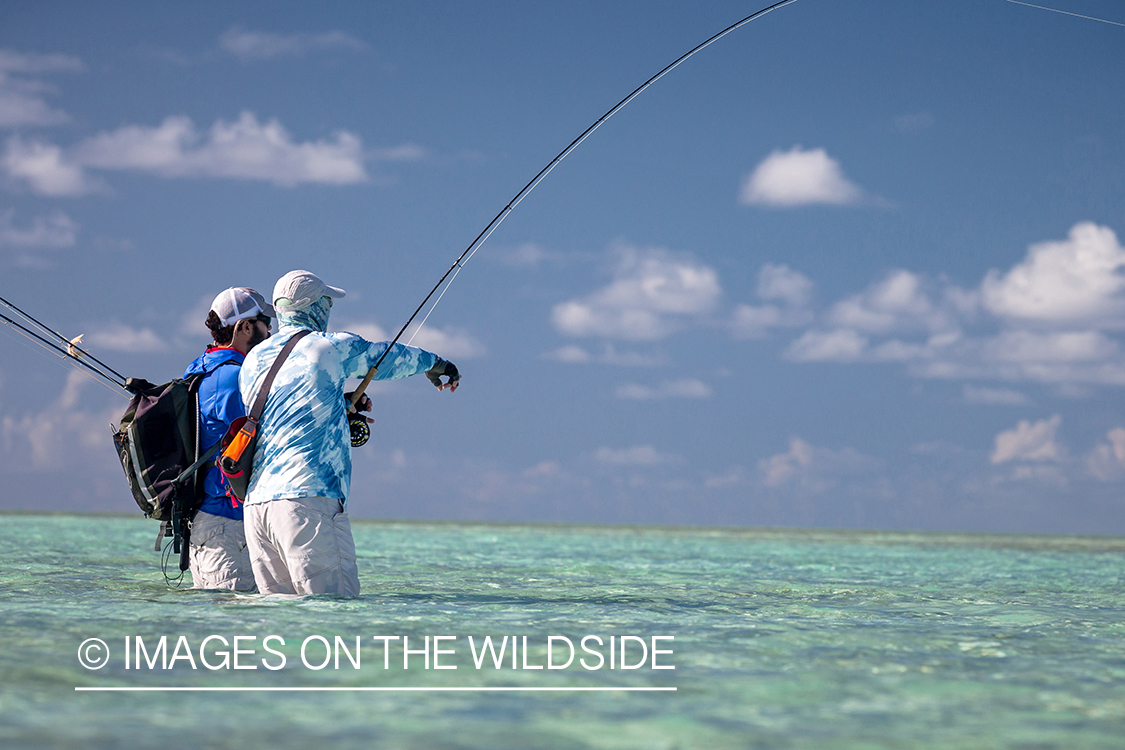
220 403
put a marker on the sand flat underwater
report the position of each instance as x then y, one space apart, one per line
780 639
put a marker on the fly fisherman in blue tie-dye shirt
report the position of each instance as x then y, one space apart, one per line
297 525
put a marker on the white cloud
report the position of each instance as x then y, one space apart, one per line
651 295
21 100
51 438
1107 460
827 346
263 45
775 282
797 178
122 338
45 169
193 323
52 231
1034 347
782 467
686 388
992 396
811 468
609 355
448 343
244 149
896 302
1029 442
1009 328
1076 279
640 455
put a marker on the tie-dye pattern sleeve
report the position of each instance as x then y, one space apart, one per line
359 354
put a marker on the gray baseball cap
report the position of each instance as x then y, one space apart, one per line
297 290
239 303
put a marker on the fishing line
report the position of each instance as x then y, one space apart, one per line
61 352
1066 13
455 269
69 344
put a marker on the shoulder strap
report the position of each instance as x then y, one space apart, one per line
260 402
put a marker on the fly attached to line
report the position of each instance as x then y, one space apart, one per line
44 336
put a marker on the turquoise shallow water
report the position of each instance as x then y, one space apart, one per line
782 639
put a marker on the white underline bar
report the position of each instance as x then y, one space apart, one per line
373 689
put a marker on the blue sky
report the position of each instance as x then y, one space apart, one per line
859 264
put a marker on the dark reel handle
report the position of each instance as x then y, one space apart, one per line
361 433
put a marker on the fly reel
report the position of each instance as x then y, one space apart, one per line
361 433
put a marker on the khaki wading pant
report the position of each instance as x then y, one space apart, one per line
219 558
302 546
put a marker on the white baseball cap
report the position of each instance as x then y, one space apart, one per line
297 290
239 303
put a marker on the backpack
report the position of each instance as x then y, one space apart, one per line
157 443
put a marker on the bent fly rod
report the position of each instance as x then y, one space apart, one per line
469 251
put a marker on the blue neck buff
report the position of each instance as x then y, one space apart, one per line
314 317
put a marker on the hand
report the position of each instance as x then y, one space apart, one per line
443 367
364 404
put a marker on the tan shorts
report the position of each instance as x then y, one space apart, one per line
302 546
219 558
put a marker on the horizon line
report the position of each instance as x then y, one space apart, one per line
510 689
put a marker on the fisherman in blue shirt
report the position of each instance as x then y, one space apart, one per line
239 320
297 525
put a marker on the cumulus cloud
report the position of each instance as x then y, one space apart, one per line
1029 442
827 346
777 281
1107 460
609 355
685 388
786 179
22 99
449 343
898 302
811 468
639 455
1013 326
1076 279
46 170
264 45
123 338
782 467
786 294
652 293
244 149
61 433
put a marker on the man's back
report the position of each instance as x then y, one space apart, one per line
303 437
